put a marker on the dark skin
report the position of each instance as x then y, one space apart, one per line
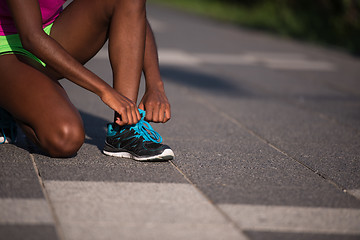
38 102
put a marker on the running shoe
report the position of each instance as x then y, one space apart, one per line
8 128
139 142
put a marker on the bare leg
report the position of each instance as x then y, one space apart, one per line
82 30
41 107
84 26
127 50
151 60
154 101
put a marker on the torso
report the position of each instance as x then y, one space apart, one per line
50 9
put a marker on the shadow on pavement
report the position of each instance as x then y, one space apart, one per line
203 81
95 129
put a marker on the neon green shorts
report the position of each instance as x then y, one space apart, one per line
11 44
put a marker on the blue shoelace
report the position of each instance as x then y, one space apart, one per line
144 129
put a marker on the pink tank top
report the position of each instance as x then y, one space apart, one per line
50 9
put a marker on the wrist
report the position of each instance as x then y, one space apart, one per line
103 90
154 85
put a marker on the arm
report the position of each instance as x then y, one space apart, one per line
154 101
27 17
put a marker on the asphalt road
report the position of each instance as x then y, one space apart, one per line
266 133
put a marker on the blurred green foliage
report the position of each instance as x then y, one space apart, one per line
331 22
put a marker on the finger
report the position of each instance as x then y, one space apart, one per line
123 119
155 114
138 114
167 113
162 113
118 121
149 114
134 115
129 115
142 106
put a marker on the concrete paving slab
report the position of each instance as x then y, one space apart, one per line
20 188
24 211
317 92
298 236
333 151
91 165
230 165
109 210
15 162
248 179
149 231
17 175
28 232
295 219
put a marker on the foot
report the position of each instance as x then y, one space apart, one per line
8 127
139 142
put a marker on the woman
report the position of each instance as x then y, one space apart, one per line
41 43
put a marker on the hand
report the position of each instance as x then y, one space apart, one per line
156 105
127 112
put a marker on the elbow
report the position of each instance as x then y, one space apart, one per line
26 41
30 42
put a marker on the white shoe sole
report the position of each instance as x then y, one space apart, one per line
2 140
166 155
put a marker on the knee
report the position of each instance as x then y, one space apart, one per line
65 140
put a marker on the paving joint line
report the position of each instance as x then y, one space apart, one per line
57 224
226 216
239 124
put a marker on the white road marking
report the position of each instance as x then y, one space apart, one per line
120 210
178 57
276 55
272 60
226 59
24 211
284 61
295 219
298 64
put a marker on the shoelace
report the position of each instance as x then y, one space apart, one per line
144 129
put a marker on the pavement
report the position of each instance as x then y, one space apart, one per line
266 133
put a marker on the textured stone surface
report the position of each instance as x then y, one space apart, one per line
109 210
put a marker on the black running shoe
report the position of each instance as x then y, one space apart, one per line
139 142
8 128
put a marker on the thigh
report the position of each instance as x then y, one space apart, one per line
35 101
82 27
